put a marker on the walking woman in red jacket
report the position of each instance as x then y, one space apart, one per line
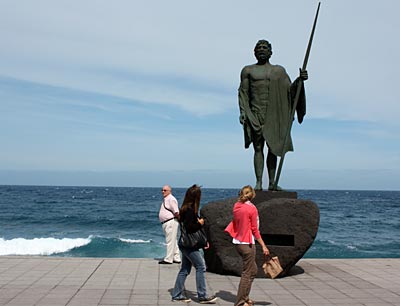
244 231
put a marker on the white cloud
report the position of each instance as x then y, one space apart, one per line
188 56
353 57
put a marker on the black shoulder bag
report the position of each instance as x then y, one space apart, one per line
196 240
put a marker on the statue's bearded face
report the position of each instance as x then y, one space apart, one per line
263 50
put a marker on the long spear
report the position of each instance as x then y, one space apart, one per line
296 100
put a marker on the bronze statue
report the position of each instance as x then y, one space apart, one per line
266 98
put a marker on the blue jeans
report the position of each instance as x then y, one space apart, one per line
191 257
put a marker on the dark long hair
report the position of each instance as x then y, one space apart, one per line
192 199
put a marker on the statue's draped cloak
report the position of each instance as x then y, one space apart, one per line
277 116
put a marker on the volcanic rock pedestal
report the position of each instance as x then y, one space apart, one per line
288 226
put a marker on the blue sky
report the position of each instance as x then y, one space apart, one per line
142 93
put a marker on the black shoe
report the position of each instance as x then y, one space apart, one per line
208 300
177 262
182 299
163 262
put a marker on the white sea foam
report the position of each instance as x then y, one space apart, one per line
40 246
134 240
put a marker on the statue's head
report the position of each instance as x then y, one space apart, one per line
263 50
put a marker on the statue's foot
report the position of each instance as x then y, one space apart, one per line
272 188
258 186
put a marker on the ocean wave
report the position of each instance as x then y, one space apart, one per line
135 240
117 247
124 222
40 246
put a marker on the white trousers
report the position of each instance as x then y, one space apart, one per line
170 229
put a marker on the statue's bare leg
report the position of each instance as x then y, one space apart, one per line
258 162
271 166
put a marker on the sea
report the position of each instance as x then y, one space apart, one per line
123 221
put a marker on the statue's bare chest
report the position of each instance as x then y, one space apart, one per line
263 74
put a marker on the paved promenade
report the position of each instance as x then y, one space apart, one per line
56 281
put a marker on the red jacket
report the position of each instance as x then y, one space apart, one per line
245 223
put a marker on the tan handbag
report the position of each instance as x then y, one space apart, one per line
272 266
